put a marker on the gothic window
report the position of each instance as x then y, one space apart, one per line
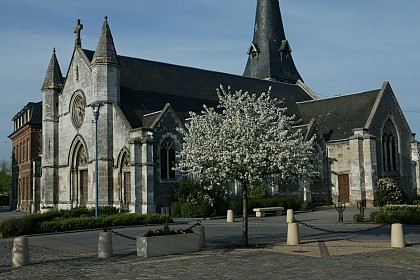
390 148
125 195
82 158
167 159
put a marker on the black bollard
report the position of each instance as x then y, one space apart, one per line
361 205
340 207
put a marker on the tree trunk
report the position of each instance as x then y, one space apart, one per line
245 215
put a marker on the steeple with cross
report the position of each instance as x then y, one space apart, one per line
77 30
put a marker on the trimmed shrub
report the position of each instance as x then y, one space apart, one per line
192 199
235 205
176 209
90 212
190 210
306 206
373 215
358 218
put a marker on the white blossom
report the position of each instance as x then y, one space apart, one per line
246 138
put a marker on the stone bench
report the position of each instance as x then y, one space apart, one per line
260 212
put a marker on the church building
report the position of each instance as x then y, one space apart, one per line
137 106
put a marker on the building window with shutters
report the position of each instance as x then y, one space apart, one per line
167 159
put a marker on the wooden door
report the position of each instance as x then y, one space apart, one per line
343 188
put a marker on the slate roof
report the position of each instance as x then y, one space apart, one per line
146 87
53 77
336 117
105 50
36 112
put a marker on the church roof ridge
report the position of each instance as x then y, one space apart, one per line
105 50
90 55
53 77
344 95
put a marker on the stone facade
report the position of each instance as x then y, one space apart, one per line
360 160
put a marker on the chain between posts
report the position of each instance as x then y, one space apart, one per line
119 234
198 223
337 231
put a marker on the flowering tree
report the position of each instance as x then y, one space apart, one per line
247 138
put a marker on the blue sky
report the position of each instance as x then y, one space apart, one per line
339 47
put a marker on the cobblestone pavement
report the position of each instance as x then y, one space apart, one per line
73 256
267 262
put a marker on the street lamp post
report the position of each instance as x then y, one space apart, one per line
96 106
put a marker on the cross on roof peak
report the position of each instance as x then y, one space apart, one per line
77 30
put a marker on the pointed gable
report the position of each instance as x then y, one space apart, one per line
270 53
105 50
153 119
53 77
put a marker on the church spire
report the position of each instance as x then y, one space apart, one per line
53 78
270 53
105 50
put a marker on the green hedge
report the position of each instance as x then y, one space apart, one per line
403 217
56 222
405 214
407 208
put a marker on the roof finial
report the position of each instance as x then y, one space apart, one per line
77 30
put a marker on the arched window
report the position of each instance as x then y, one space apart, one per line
125 196
390 148
167 159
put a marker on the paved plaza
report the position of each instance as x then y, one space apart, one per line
320 255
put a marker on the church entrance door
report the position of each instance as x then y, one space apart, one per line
83 188
343 188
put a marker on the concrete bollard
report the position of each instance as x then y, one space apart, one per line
201 236
397 236
105 245
20 253
292 234
230 218
290 216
